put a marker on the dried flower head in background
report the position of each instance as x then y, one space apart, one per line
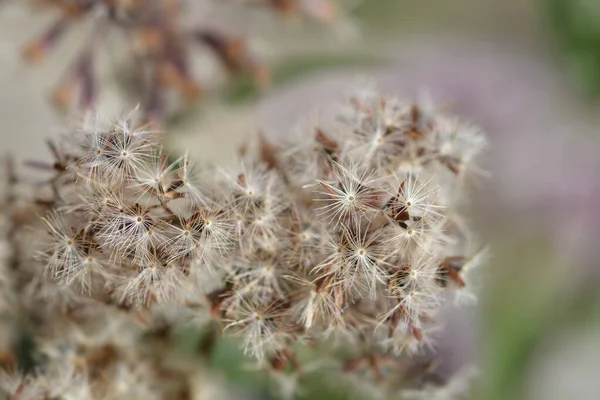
161 37
347 239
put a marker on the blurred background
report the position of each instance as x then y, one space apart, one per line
527 71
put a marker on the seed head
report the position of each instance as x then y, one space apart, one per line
335 244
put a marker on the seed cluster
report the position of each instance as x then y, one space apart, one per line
346 239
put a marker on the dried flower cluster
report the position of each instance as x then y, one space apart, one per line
345 238
161 37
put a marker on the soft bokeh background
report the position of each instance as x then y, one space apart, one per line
527 71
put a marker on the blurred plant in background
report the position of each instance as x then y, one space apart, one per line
157 39
577 30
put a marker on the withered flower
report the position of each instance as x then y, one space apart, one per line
347 240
